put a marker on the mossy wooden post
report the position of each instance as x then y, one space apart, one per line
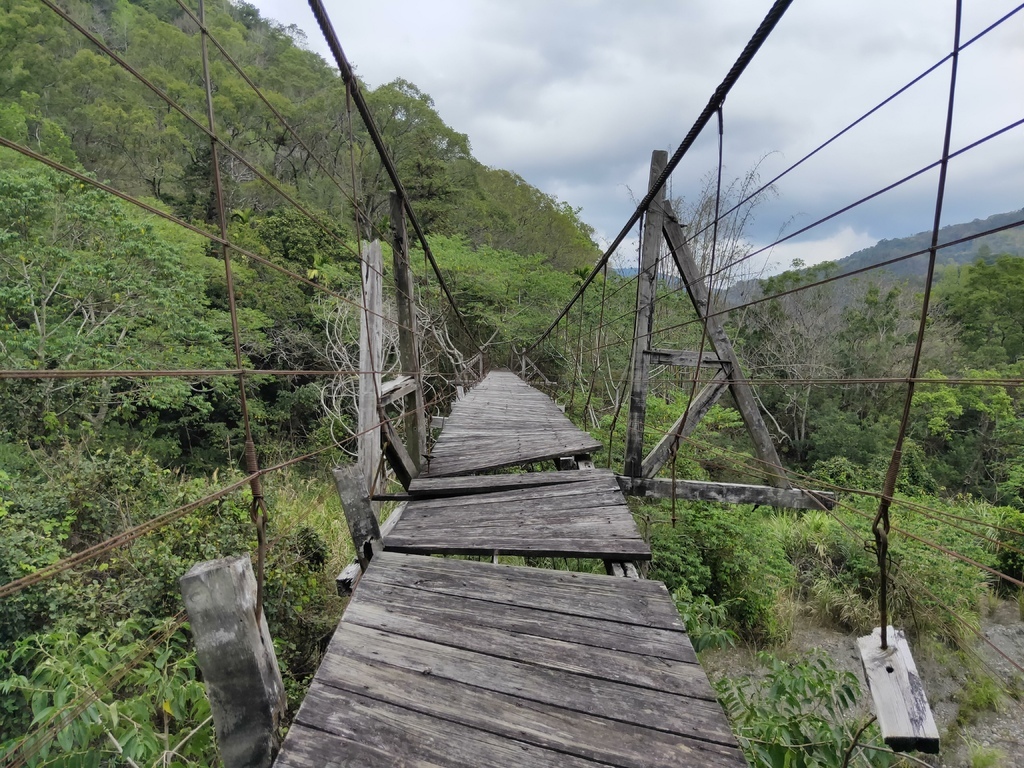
371 337
236 656
647 281
408 347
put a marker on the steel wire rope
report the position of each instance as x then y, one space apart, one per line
349 78
677 433
882 525
131 534
868 198
277 114
852 273
258 510
761 34
85 179
210 132
764 187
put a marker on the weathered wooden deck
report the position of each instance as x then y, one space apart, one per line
441 662
546 515
457 663
504 422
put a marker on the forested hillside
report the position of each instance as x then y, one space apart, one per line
97 660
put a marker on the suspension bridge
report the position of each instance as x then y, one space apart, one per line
450 661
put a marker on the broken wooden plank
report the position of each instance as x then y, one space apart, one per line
728 493
398 457
355 503
904 717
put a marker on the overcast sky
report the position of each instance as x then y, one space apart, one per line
573 95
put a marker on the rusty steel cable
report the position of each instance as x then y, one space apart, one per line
349 78
881 525
85 179
209 131
760 35
258 508
767 185
276 112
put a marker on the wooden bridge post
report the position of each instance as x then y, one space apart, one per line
742 394
236 656
646 286
408 347
362 523
371 337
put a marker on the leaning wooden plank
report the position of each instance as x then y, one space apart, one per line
901 706
686 423
728 493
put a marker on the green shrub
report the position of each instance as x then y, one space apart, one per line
798 715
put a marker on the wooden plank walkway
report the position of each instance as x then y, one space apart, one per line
542 514
456 663
504 422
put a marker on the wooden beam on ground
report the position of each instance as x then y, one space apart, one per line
371 339
701 404
408 342
727 493
904 717
746 403
685 358
647 281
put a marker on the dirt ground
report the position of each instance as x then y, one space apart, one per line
944 679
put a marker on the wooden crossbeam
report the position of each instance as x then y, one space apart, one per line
727 493
684 358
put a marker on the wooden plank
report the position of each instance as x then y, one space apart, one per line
647 281
683 358
307 747
728 493
573 733
633 669
411 738
514 619
393 390
904 717
696 718
569 592
742 394
701 404
371 340
402 464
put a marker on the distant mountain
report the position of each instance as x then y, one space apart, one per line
1010 241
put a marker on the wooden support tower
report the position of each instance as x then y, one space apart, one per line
371 338
408 343
647 281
